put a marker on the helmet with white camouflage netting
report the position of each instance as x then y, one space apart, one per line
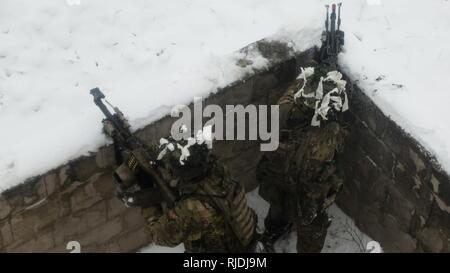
322 91
186 159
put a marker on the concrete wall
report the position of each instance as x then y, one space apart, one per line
395 192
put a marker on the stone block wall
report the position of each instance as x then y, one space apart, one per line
76 201
395 191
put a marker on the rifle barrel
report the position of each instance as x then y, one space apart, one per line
123 133
333 30
339 15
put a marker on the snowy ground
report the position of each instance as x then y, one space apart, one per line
150 55
343 236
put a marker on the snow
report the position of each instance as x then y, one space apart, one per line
398 53
146 56
150 55
343 236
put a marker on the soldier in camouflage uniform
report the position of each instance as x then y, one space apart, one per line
211 214
299 179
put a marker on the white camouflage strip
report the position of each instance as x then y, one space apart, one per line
202 136
306 73
324 103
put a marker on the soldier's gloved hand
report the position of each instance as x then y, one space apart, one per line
308 211
127 198
288 97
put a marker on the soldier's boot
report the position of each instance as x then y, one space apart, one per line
308 212
311 238
274 231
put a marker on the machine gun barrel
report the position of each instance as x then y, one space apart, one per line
135 147
339 16
332 36
333 29
124 133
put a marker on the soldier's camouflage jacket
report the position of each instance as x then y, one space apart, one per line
304 164
198 222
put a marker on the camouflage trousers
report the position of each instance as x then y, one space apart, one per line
284 213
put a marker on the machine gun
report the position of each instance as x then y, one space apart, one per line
139 179
332 37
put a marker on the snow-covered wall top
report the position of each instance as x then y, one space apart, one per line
146 56
397 52
150 55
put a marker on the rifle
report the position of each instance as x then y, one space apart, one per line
332 37
136 161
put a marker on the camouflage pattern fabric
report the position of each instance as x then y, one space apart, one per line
300 179
197 222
